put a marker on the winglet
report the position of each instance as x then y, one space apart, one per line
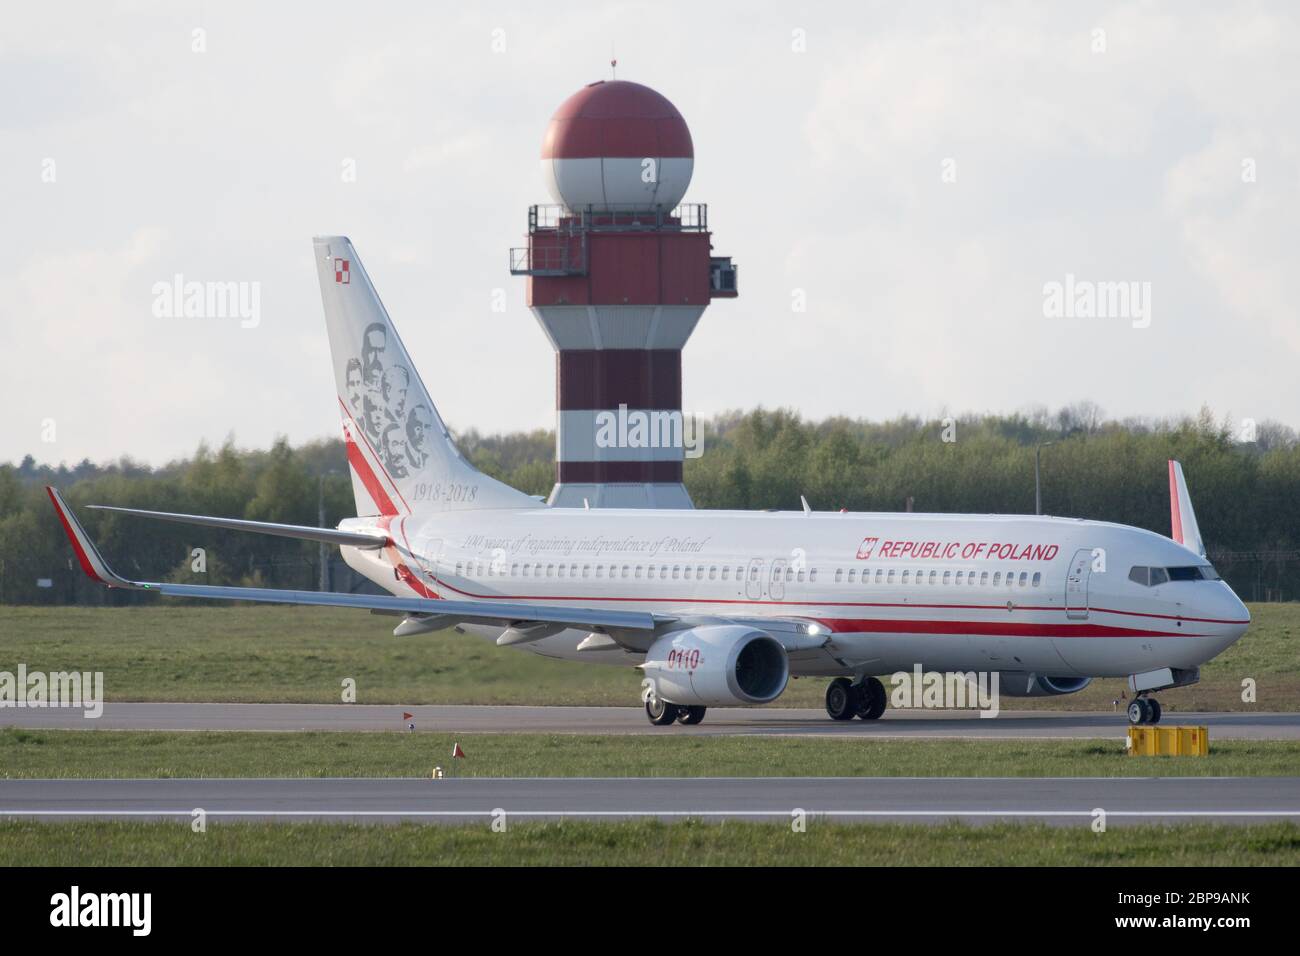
1181 516
92 562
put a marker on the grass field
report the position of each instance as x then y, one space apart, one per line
115 753
687 843
250 653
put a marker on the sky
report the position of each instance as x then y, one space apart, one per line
902 185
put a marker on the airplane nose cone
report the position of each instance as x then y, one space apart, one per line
1231 609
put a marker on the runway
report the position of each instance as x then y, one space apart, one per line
480 800
721 721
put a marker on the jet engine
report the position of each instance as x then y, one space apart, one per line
716 665
1022 684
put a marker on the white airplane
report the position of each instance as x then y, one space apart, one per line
723 607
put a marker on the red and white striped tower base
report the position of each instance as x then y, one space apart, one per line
619 274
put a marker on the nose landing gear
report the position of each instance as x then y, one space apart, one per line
1144 710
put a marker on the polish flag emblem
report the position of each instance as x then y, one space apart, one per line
341 272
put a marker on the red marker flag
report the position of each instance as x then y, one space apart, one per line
406 716
456 751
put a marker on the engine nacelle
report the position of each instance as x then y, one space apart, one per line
717 665
1022 684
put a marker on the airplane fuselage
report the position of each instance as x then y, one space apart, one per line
948 592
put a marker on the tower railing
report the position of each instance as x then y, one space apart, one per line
557 225
615 217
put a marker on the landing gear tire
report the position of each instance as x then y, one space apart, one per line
1144 710
660 712
840 703
872 699
690 715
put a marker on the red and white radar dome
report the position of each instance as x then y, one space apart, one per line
619 145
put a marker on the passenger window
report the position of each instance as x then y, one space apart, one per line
947 576
879 574
1024 578
676 570
839 575
890 579
957 579
812 575
934 577
713 572
1038 577
905 574
852 572
997 578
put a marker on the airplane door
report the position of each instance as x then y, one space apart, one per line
1076 585
754 579
776 583
426 549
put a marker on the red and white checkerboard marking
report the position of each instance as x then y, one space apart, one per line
341 272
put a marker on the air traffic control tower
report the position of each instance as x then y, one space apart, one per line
619 272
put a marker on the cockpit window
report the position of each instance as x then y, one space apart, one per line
1151 577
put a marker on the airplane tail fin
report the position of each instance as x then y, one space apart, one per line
1181 516
402 458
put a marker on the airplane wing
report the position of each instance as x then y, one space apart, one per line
476 612
356 539
632 630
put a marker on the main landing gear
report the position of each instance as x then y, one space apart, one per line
846 700
662 713
1144 710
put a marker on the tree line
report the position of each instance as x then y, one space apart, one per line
1245 484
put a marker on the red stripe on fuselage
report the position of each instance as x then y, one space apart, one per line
987 628
582 598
